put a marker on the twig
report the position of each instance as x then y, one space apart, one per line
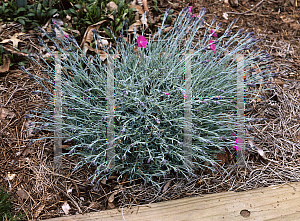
248 10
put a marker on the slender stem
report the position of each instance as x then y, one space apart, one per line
57 113
240 111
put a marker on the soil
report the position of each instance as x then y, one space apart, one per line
41 191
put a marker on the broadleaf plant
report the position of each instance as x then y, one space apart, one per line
149 99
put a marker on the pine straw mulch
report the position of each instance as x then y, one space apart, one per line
271 158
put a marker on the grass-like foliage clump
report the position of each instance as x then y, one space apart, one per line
149 88
6 207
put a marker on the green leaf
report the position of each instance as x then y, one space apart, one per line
38 10
78 6
52 12
120 6
22 9
114 13
117 22
119 28
30 14
22 17
22 22
72 10
98 14
22 63
107 32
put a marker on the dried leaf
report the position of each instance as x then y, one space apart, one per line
89 35
137 23
295 26
14 39
286 19
145 4
111 6
144 20
27 151
103 181
4 113
111 17
166 186
251 142
66 208
74 31
38 211
139 9
6 64
104 42
112 197
111 205
68 17
225 15
94 205
22 194
167 29
11 176
234 3
65 147
279 82
261 152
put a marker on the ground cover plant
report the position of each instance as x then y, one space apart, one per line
149 94
6 207
272 158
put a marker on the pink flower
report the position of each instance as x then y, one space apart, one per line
212 31
167 94
190 11
212 46
142 41
66 36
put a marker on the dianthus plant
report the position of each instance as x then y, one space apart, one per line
149 94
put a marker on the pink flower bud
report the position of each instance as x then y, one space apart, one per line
212 31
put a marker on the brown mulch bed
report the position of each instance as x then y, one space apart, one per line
271 158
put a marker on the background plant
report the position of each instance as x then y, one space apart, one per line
83 14
90 12
6 207
149 94
34 15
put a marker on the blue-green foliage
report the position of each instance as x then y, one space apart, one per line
149 125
